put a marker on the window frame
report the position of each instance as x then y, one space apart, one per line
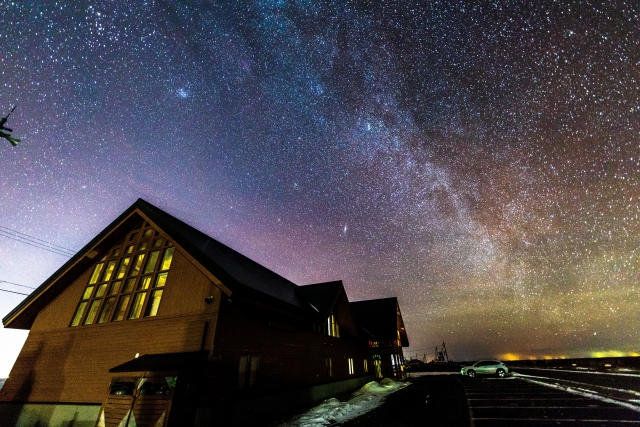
118 276
248 368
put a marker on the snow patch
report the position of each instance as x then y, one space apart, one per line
333 411
583 392
619 372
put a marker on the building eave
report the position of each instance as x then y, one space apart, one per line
24 314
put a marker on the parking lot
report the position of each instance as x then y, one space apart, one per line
516 402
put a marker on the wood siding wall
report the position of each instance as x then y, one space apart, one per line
59 363
288 360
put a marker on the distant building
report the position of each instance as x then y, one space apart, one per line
381 321
153 323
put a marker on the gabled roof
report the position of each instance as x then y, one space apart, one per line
380 319
330 298
237 273
241 274
322 296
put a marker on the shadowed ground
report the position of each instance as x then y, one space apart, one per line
446 405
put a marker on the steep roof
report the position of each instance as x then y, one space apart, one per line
239 275
322 296
380 319
330 298
238 272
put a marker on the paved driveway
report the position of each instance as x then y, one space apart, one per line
431 401
457 401
515 402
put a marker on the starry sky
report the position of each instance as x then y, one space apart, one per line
480 162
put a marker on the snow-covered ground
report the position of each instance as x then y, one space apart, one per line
426 374
592 391
333 411
621 372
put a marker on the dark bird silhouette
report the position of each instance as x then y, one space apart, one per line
5 131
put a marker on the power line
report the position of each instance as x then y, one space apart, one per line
35 238
48 249
17 284
13 292
35 242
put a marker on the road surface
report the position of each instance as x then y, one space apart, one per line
530 397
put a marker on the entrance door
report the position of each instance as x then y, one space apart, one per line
377 366
139 402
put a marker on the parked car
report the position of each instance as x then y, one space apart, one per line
485 367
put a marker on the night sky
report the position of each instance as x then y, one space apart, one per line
481 163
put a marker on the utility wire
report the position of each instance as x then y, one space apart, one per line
17 284
26 238
35 238
13 292
35 242
48 249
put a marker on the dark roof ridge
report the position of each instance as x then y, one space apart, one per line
214 241
222 261
322 296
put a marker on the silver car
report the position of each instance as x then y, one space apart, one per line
485 367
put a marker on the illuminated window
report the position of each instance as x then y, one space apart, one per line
248 370
106 309
138 303
127 283
366 365
333 329
79 313
96 273
350 361
328 364
377 365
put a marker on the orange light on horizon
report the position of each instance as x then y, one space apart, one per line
515 356
614 353
509 357
594 354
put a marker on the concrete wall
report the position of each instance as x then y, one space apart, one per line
48 414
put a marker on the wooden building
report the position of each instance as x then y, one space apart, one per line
381 321
153 323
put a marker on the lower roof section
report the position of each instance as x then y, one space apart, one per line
161 362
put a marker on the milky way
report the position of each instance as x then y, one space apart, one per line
481 163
